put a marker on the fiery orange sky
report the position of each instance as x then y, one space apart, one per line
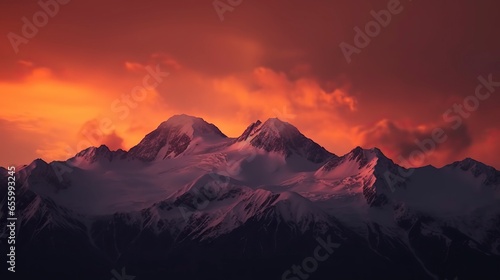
77 81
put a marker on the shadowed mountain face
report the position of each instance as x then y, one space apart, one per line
190 203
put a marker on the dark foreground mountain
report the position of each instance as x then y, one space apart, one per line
190 203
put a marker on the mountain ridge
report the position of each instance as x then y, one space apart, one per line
266 194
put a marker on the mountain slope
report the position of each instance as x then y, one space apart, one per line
191 203
369 170
173 138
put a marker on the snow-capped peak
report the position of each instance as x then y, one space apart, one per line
272 128
278 128
281 137
358 159
365 168
174 136
191 126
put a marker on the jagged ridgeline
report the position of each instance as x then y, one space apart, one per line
188 202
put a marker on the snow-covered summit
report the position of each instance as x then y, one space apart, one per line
191 126
367 169
174 136
272 128
355 161
281 137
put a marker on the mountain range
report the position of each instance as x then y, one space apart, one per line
188 202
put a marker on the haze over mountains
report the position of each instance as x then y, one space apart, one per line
188 202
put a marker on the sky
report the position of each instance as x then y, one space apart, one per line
417 79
